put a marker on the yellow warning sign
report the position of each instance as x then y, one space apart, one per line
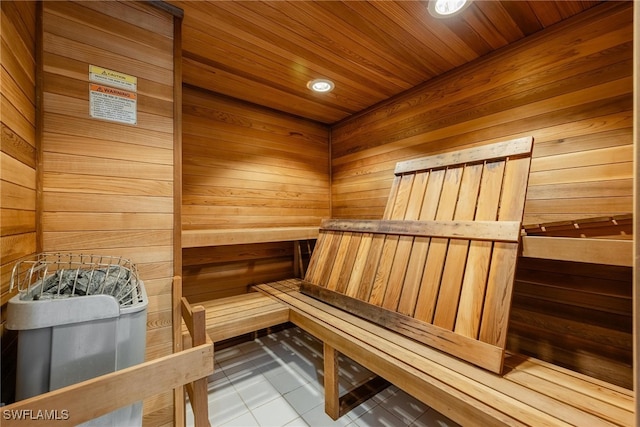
113 78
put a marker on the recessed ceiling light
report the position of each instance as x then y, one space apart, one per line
321 85
447 8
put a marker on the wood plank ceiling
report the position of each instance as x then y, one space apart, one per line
265 52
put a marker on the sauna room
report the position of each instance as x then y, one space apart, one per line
423 215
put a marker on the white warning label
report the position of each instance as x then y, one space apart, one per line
112 104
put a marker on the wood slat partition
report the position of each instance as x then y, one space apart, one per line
17 162
108 188
458 295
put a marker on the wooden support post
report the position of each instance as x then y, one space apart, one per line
179 415
197 390
297 259
336 406
331 385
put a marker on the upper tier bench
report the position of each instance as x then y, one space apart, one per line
581 240
438 270
200 238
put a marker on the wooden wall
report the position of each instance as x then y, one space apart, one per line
246 167
570 87
108 188
219 271
575 315
18 160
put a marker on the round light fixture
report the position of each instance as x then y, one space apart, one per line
321 85
447 8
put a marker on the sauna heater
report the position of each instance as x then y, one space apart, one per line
78 317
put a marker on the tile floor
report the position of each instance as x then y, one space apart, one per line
276 380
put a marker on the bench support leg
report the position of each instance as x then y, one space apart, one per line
335 405
197 392
331 387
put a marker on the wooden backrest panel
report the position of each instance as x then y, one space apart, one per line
440 265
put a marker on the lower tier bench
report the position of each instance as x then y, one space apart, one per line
238 315
528 392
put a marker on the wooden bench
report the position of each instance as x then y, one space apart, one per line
527 392
234 316
599 240
438 270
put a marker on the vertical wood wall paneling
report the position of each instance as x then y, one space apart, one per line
247 167
18 162
108 188
571 88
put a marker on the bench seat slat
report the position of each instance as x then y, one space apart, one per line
231 303
579 400
237 315
612 394
232 313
